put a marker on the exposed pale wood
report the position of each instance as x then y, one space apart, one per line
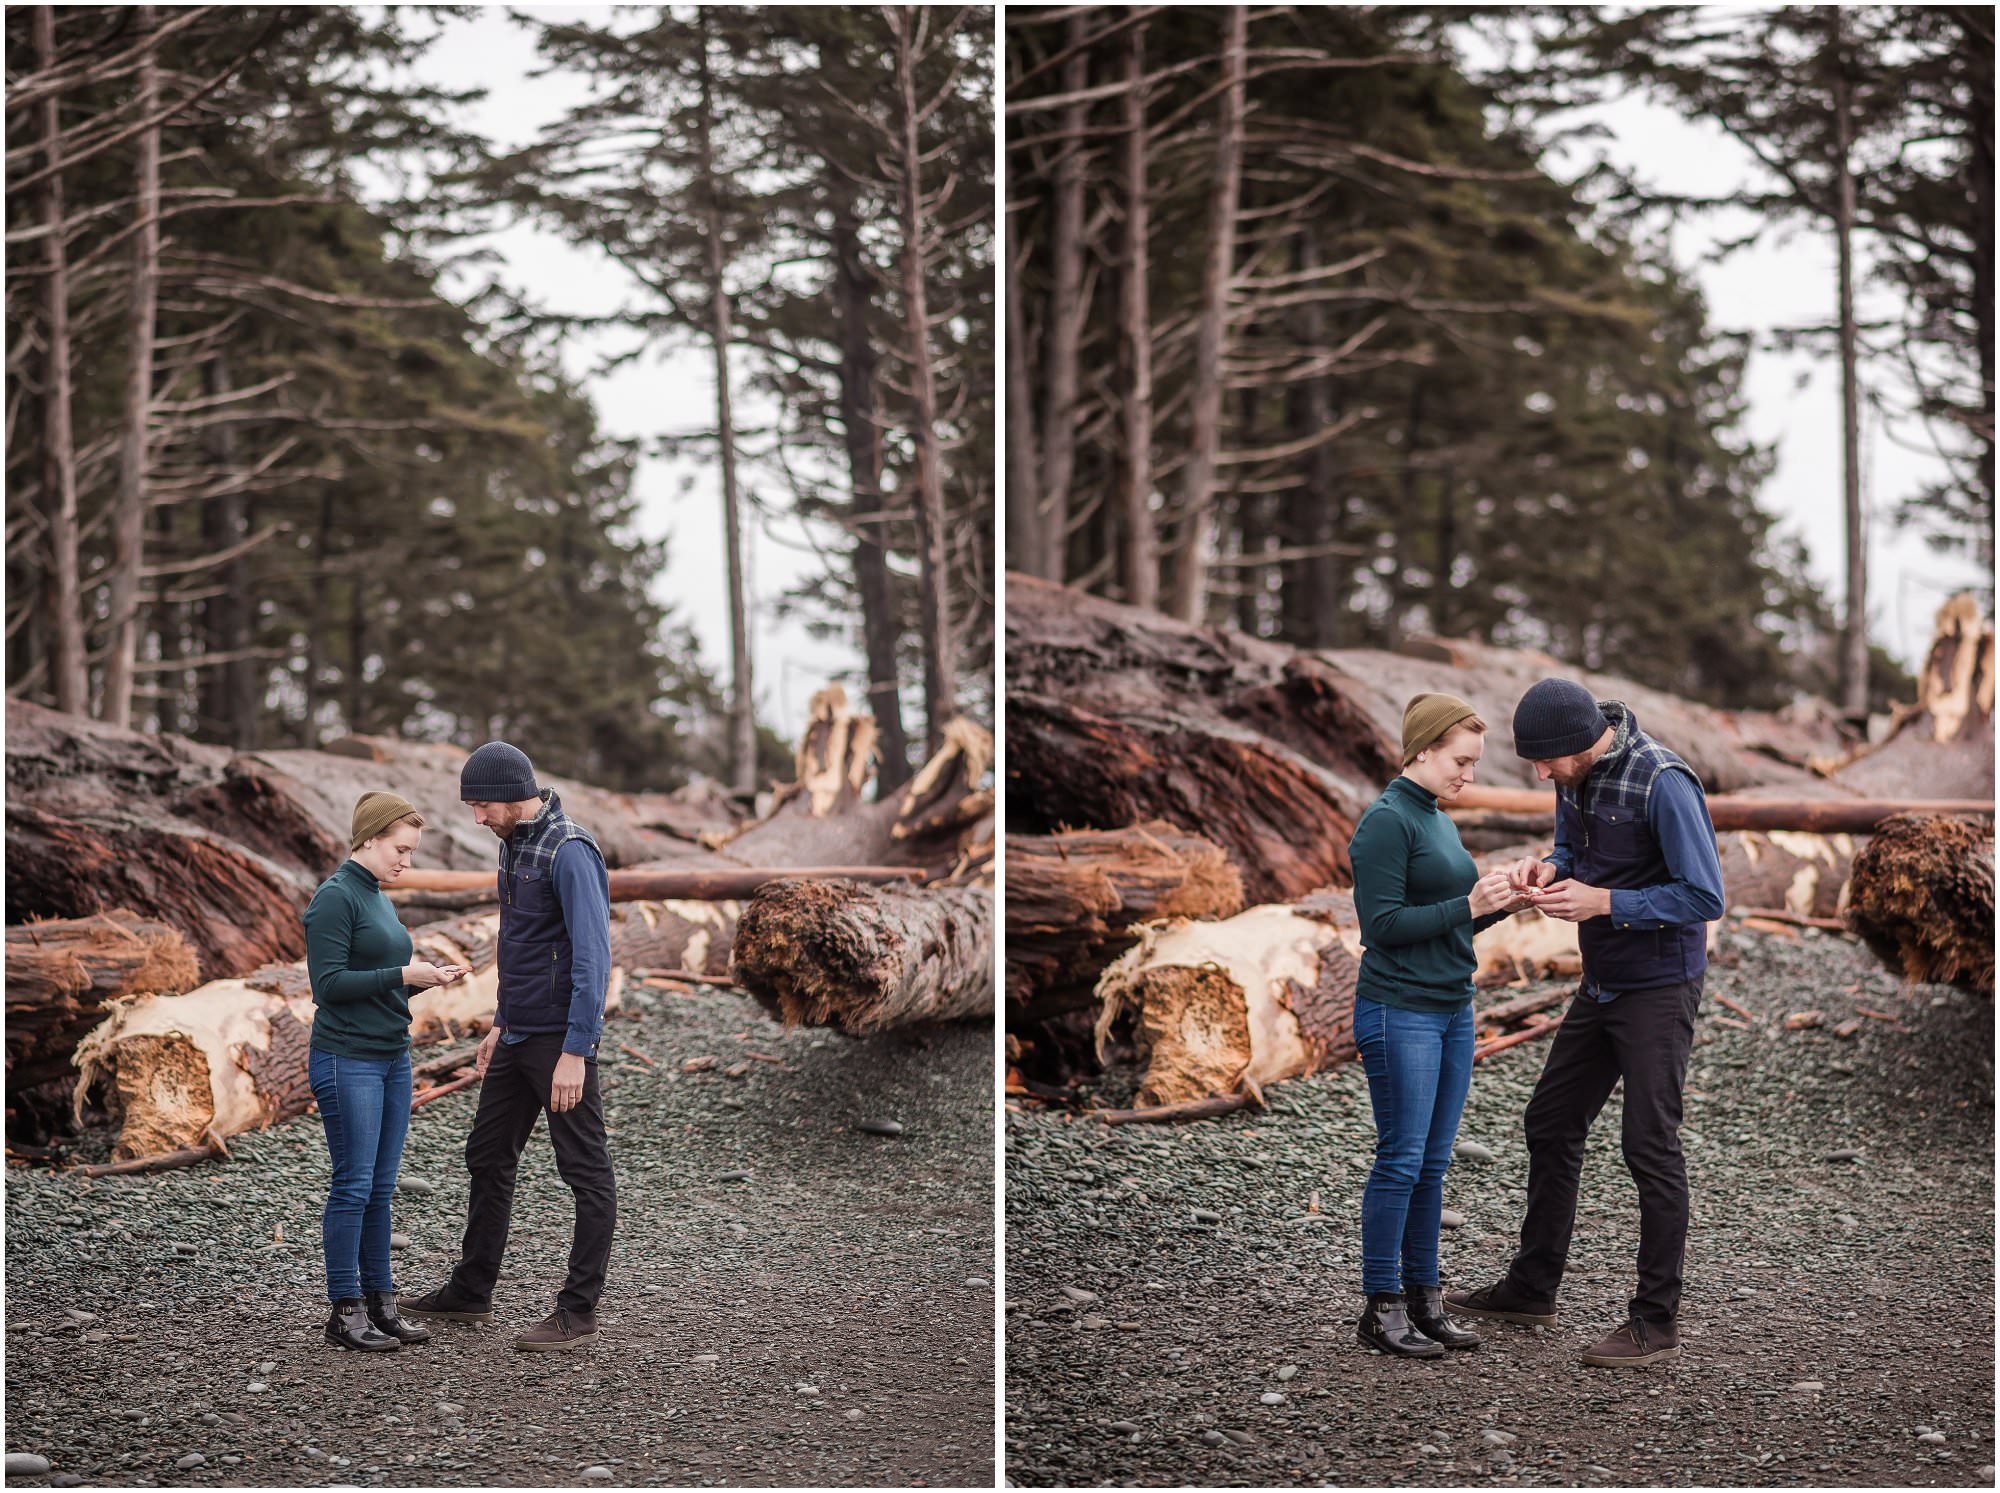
863 958
61 974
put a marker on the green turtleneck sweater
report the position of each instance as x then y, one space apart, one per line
1412 887
355 952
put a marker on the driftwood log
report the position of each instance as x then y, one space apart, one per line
647 885
1073 898
1921 897
61 974
864 958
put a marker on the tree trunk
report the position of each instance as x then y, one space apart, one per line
881 621
62 589
864 958
1197 532
742 717
1026 551
939 658
62 973
1066 313
1138 531
128 525
1073 897
1854 629
1922 898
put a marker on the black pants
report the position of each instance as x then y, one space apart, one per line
513 1095
1643 1037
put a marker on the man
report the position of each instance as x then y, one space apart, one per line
1635 868
555 965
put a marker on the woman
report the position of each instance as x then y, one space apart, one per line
358 956
1420 899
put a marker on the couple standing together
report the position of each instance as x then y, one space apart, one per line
1635 868
541 1055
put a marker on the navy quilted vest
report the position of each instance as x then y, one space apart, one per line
535 951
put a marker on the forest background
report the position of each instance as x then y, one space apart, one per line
293 451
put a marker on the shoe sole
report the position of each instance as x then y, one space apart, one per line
1490 1314
334 1342
1623 1361
1369 1342
563 1347
436 1316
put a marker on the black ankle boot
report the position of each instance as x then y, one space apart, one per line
382 1312
349 1327
1386 1325
1425 1305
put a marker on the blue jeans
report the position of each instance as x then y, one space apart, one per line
365 1105
1419 1066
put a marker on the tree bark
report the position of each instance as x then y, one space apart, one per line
939 659
62 589
1197 534
881 622
1065 313
128 527
742 718
864 958
1025 550
1921 897
62 973
1073 897
1138 533
1854 629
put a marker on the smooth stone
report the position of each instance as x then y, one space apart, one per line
1124 1428
26 1464
264 1369
399 1241
1212 1438
807 1389
66 1480
853 1414
421 1186
1493 1437
1846 1155
1271 1397
211 1419
708 1358
879 1127
79 1316
1428 1450
181 1248
1096 1322
191 1461
1450 1218
446 1407
1289 1371
255 1388
1471 1150
1935 1438
1806 1385
596 1474
1127 1326
1241 1438
733 1177
977 1280
1079 1296
1207 1215
1984 1474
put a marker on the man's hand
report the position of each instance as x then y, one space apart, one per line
1573 902
1528 873
485 1054
567 1090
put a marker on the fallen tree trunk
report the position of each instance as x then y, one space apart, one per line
655 886
1921 897
864 958
62 974
1073 898
1803 874
1826 816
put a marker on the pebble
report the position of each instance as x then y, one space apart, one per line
66 1480
1124 1428
1984 1474
1935 1438
255 1388
1212 1438
1080 1296
264 1368
853 1414
596 1474
1241 1438
181 1248
1471 1150
977 1280
446 1407
79 1316
26 1464
733 1177
1288 1372
1450 1218
1846 1155
1495 1437
1807 1386
191 1461
399 1241
708 1358
1207 1215
420 1186
879 1127
1271 1397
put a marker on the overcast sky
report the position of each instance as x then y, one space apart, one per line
1793 399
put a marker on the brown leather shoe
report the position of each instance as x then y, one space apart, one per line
1502 1303
1635 1345
559 1331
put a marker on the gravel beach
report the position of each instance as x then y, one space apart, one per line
826 1319
1177 1314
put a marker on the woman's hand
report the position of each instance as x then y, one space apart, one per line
423 974
1493 891
1530 872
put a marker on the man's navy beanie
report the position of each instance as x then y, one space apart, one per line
1556 718
497 774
